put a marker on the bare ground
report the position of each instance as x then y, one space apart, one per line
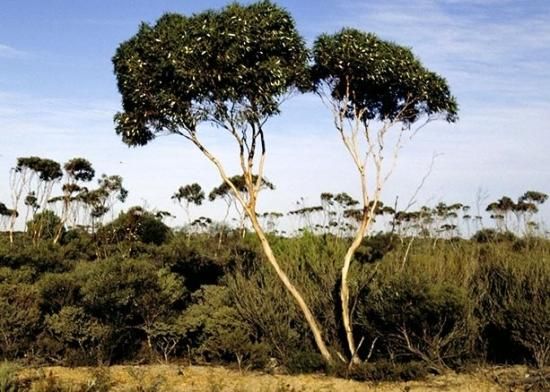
215 379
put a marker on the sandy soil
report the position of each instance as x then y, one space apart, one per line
214 379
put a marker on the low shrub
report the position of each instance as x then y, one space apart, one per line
515 309
8 377
382 370
416 319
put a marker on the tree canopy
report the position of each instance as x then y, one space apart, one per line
223 190
191 193
381 79
207 67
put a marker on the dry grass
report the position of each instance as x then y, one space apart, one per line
212 379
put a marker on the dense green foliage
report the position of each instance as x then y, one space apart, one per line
380 77
421 305
209 66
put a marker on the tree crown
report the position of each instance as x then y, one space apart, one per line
380 78
236 62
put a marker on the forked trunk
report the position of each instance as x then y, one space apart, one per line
310 318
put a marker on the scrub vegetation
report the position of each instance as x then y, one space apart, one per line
360 289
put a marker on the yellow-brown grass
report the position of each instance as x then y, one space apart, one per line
202 378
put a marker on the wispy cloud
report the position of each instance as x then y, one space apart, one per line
481 48
9 52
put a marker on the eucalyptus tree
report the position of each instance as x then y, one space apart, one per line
5 214
189 194
37 176
226 193
527 206
76 170
309 217
270 220
372 86
31 201
335 207
99 201
500 211
229 68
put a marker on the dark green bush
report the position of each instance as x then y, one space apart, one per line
373 248
515 309
40 257
85 339
304 362
78 244
418 319
136 224
58 290
382 370
44 225
216 332
493 236
198 262
20 319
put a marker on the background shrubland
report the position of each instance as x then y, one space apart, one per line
425 297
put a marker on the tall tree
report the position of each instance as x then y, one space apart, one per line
230 68
371 86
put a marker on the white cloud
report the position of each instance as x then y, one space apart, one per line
10 52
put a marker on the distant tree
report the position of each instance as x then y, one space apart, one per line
230 68
31 201
76 170
37 176
526 206
500 211
533 197
270 220
189 194
370 86
337 208
224 192
308 217
5 214
99 201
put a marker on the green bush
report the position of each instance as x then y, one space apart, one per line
382 370
41 257
198 262
493 236
58 290
44 225
85 338
515 309
8 377
414 318
131 296
136 224
300 362
78 244
20 319
216 332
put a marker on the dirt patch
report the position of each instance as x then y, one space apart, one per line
202 378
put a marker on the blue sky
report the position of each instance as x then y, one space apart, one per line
58 96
